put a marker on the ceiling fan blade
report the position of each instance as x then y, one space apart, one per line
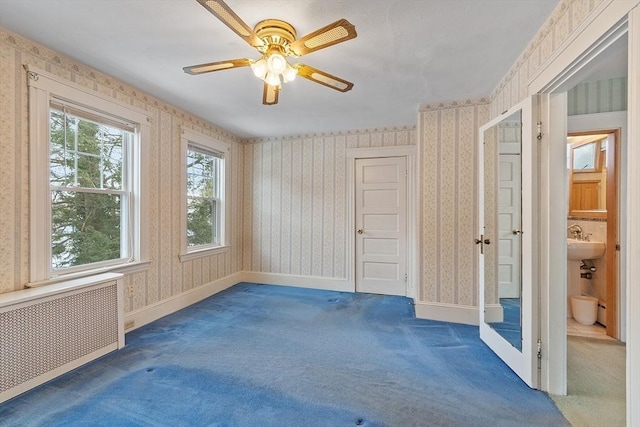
323 78
224 13
338 32
270 94
216 66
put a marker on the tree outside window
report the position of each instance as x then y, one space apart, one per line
204 204
88 190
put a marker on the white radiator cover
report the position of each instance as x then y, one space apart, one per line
50 330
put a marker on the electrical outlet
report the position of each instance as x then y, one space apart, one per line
130 291
129 324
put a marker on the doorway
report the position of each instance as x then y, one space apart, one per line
381 225
593 207
556 98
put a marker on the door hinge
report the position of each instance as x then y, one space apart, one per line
539 135
617 246
539 349
405 278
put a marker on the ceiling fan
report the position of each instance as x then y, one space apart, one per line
276 40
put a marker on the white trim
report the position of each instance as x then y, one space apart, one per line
604 28
44 86
189 136
632 223
199 253
69 287
580 43
413 236
310 282
95 101
454 313
133 267
522 362
175 303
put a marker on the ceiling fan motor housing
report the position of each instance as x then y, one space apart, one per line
275 33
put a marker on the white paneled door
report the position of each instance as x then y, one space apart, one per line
509 212
381 225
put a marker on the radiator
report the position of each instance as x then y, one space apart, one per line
50 330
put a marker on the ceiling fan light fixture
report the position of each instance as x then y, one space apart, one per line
289 74
272 79
259 68
276 40
276 63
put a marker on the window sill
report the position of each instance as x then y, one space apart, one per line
200 253
132 267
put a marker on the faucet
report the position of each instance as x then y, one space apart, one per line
576 231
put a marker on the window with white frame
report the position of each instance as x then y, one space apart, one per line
86 190
204 190
90 192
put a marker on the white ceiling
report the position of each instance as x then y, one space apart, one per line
408 52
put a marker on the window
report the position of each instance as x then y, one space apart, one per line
203 197
89 188
204 190
86 194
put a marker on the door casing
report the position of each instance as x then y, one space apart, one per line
413 239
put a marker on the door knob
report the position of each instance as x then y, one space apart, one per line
516 231
360 231
487 241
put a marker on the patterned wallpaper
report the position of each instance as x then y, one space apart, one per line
295 206
447 146
602 96
565 19
166 276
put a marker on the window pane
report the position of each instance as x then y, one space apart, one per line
85 228
112 157
200 174
85 153
88 171
61 170
200 221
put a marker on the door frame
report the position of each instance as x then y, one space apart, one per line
409 152
613 122
571 59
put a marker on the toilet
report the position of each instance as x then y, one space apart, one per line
584 309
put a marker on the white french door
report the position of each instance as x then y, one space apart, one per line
519 353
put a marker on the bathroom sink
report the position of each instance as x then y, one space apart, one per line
582 249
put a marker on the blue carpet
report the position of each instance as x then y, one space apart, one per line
257 355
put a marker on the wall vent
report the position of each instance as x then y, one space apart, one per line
50 330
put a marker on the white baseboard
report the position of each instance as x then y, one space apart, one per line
323 283
454 313
423 310
493 313
170 305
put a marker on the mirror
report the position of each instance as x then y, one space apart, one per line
502 228
587 166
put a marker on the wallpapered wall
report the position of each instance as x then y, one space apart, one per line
564 20
602 96
448 148
166 276
295 206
